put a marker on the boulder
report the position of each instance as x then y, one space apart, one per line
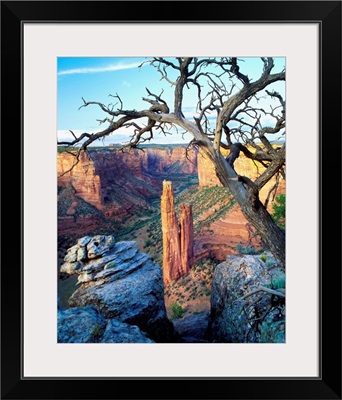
119 332
80 325
192 329
248 301
123 284
87 325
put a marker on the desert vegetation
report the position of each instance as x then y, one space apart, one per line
235 115
191 292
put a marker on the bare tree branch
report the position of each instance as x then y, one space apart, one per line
262 289
227 116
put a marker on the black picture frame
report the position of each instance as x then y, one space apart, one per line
328 384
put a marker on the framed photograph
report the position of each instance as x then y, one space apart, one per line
122 171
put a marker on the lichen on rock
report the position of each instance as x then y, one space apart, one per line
122 283
245 307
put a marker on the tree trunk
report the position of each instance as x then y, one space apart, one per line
251 207
272 235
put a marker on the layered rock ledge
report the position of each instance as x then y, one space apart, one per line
122 283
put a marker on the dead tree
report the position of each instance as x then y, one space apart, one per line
226 93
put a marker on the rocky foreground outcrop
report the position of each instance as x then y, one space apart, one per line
248 301
192 329
124 285
87 325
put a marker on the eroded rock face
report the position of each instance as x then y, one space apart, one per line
206 171
118 184
186 231
78 258
171 160
121 282
178 238
83 177
225 233
171 239
80 325
243 166
98 178
236 316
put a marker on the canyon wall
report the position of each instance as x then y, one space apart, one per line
243 166
97 173
122 184
170 160
83 177
206 171
222 236
177 237
118 183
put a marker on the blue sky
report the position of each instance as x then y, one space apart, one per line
95 79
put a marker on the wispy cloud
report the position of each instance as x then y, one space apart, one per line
95 70
126 84
122 137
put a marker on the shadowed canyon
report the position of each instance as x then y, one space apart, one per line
160 205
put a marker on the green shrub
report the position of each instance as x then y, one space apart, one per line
278 281
270 263
272 332
110 265
279 210
147 243
245 250
96 331
177 311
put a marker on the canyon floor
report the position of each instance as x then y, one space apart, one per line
190 294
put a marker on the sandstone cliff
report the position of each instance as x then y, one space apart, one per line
130 185
177 237
119 184
83 177
221 236
171 239
243 166
186 231
206 172
106 176
170 160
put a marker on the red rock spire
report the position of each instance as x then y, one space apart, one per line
177 238
186 230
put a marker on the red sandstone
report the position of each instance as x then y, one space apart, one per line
178 253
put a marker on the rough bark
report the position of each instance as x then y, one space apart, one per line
253 209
